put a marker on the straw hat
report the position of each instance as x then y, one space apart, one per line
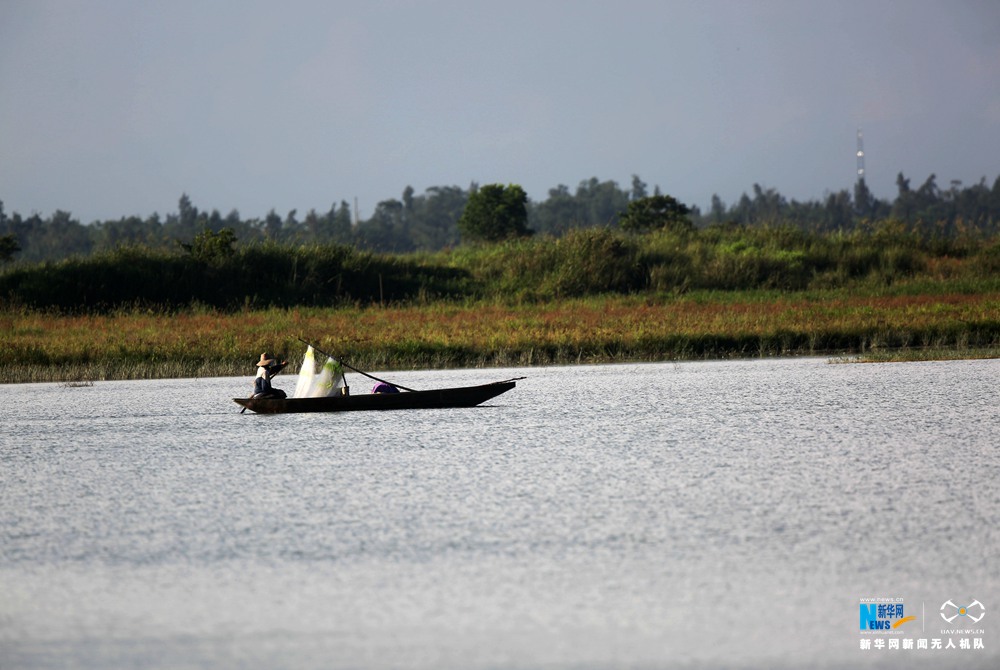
265 361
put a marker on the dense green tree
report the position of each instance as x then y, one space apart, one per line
8 241
656 213
212 247
495 212
8 247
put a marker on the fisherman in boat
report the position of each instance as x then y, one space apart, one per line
267 367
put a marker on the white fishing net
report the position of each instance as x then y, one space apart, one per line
313 383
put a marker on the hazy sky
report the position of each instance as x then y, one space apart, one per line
112 108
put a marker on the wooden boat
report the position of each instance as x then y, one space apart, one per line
464 396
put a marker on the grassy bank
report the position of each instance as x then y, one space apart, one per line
581 264
46 346
913 355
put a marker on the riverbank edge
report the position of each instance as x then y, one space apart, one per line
86 373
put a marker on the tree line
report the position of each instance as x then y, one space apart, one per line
430 221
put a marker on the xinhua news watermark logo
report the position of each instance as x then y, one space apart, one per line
891 624
883 614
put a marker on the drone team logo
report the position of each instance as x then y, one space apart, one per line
975 611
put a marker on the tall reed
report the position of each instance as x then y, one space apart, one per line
698 324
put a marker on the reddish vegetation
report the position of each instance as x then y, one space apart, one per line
597 329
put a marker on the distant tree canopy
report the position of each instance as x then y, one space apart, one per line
495 212
430 221
654 213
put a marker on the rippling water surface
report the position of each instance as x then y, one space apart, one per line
696 515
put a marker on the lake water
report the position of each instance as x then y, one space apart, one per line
692 515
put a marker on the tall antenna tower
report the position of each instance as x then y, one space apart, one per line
861 156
